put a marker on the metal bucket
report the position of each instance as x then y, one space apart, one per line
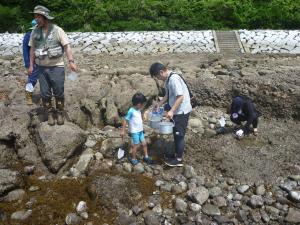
154 122
166 127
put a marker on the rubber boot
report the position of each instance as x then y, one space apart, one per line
49 109
29 97
60 104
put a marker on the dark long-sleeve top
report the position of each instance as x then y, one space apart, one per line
26 49
247 110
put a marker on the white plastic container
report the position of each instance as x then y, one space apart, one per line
29 87
72 76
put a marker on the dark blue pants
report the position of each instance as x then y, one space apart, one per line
33 77
179 130
52 82
241 119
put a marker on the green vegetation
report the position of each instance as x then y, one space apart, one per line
134 15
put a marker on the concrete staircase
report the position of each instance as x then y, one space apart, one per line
228 42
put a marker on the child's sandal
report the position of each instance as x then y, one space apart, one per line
134 161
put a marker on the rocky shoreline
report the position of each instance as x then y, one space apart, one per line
191 199
70 174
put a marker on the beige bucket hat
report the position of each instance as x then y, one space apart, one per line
42 10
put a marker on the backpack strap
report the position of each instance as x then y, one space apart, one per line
191 94
189 90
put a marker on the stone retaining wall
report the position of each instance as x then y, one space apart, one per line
271 41
126 42
256 41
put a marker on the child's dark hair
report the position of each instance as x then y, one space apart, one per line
138 98
155 68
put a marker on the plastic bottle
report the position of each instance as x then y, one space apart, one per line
72 76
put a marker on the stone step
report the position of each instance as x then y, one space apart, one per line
228 42
233 46
229 46
228 39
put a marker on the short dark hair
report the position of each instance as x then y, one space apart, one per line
155 68
138 98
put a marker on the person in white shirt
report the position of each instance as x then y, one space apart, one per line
178 107
136 130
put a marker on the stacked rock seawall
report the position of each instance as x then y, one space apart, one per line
113 43
271 41
10 44
144 42
125 42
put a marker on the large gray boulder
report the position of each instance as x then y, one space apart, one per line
57 144
110 145
112 141
106 96
118 100
9 180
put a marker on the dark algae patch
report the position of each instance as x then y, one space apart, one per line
56 198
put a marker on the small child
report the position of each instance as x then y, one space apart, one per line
134 118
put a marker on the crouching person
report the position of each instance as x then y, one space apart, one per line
243 109
48 43
178 108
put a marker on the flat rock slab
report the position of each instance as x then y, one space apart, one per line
57 144
211 210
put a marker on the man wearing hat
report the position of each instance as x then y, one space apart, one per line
48 43
32 78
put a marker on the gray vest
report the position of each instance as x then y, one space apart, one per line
48 46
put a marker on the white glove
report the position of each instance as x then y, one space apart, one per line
239 133
222 121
